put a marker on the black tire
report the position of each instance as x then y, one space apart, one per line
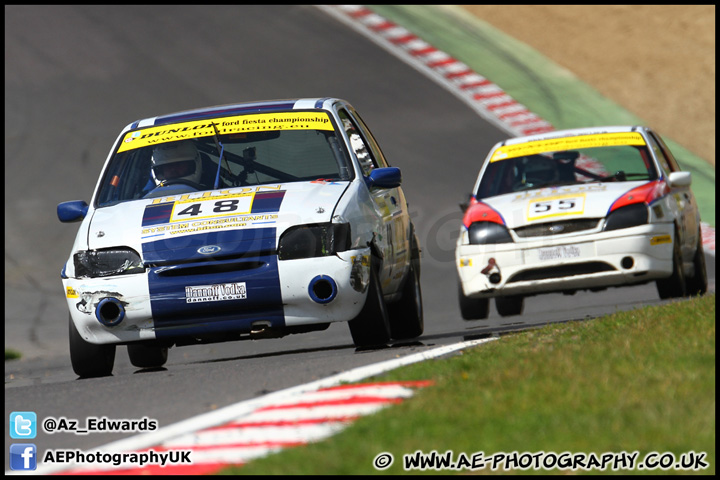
147 355
406 315
512 305
372 326
698 284
473 308
90 360
415 251
674 286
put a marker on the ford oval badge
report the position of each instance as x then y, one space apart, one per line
208 249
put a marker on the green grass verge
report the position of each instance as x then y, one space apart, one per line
638 381
11 354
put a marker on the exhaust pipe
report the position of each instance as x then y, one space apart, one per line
110 311
322 289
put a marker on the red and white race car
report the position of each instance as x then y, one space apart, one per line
578 209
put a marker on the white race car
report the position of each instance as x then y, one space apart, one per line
240 221
578 209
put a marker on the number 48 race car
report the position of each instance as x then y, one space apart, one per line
578 209
236 222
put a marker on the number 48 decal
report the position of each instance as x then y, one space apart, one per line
196 209
555 206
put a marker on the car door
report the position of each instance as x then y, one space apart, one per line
390 202
689 220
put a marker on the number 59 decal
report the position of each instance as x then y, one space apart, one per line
555 206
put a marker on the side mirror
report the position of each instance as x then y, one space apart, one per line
680 179
73 211
389 177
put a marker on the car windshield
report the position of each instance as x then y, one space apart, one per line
508 173
256 149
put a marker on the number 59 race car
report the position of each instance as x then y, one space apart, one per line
245 221
574 210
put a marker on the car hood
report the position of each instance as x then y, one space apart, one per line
558 203
217 223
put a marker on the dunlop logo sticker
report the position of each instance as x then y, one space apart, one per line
261 122
567 143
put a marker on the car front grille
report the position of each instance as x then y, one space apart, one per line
561 271
556 228
209 268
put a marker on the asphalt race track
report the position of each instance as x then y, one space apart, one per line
76 75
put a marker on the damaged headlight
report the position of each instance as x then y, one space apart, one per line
104 263
318 240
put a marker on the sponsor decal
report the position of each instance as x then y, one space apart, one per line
209 249
71 293
187 214
567 143
661 239
558 253
260 122
215 293
563 190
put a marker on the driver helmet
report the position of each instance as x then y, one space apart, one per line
541 169
176 161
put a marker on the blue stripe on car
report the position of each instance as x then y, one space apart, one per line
174 317
263 202
236 242
223 111
320 102
267 201
158 213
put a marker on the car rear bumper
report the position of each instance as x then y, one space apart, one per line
607 259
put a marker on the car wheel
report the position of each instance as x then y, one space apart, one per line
507 306
674 285
473 308
371 327
88 359
147 355
406 315
697 285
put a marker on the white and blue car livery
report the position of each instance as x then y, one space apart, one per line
282 217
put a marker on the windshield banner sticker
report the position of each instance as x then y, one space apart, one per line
260 122
568 143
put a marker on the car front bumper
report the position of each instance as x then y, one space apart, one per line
178 303
572 262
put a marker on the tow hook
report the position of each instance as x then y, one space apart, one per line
492 271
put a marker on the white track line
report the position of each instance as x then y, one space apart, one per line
243 409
